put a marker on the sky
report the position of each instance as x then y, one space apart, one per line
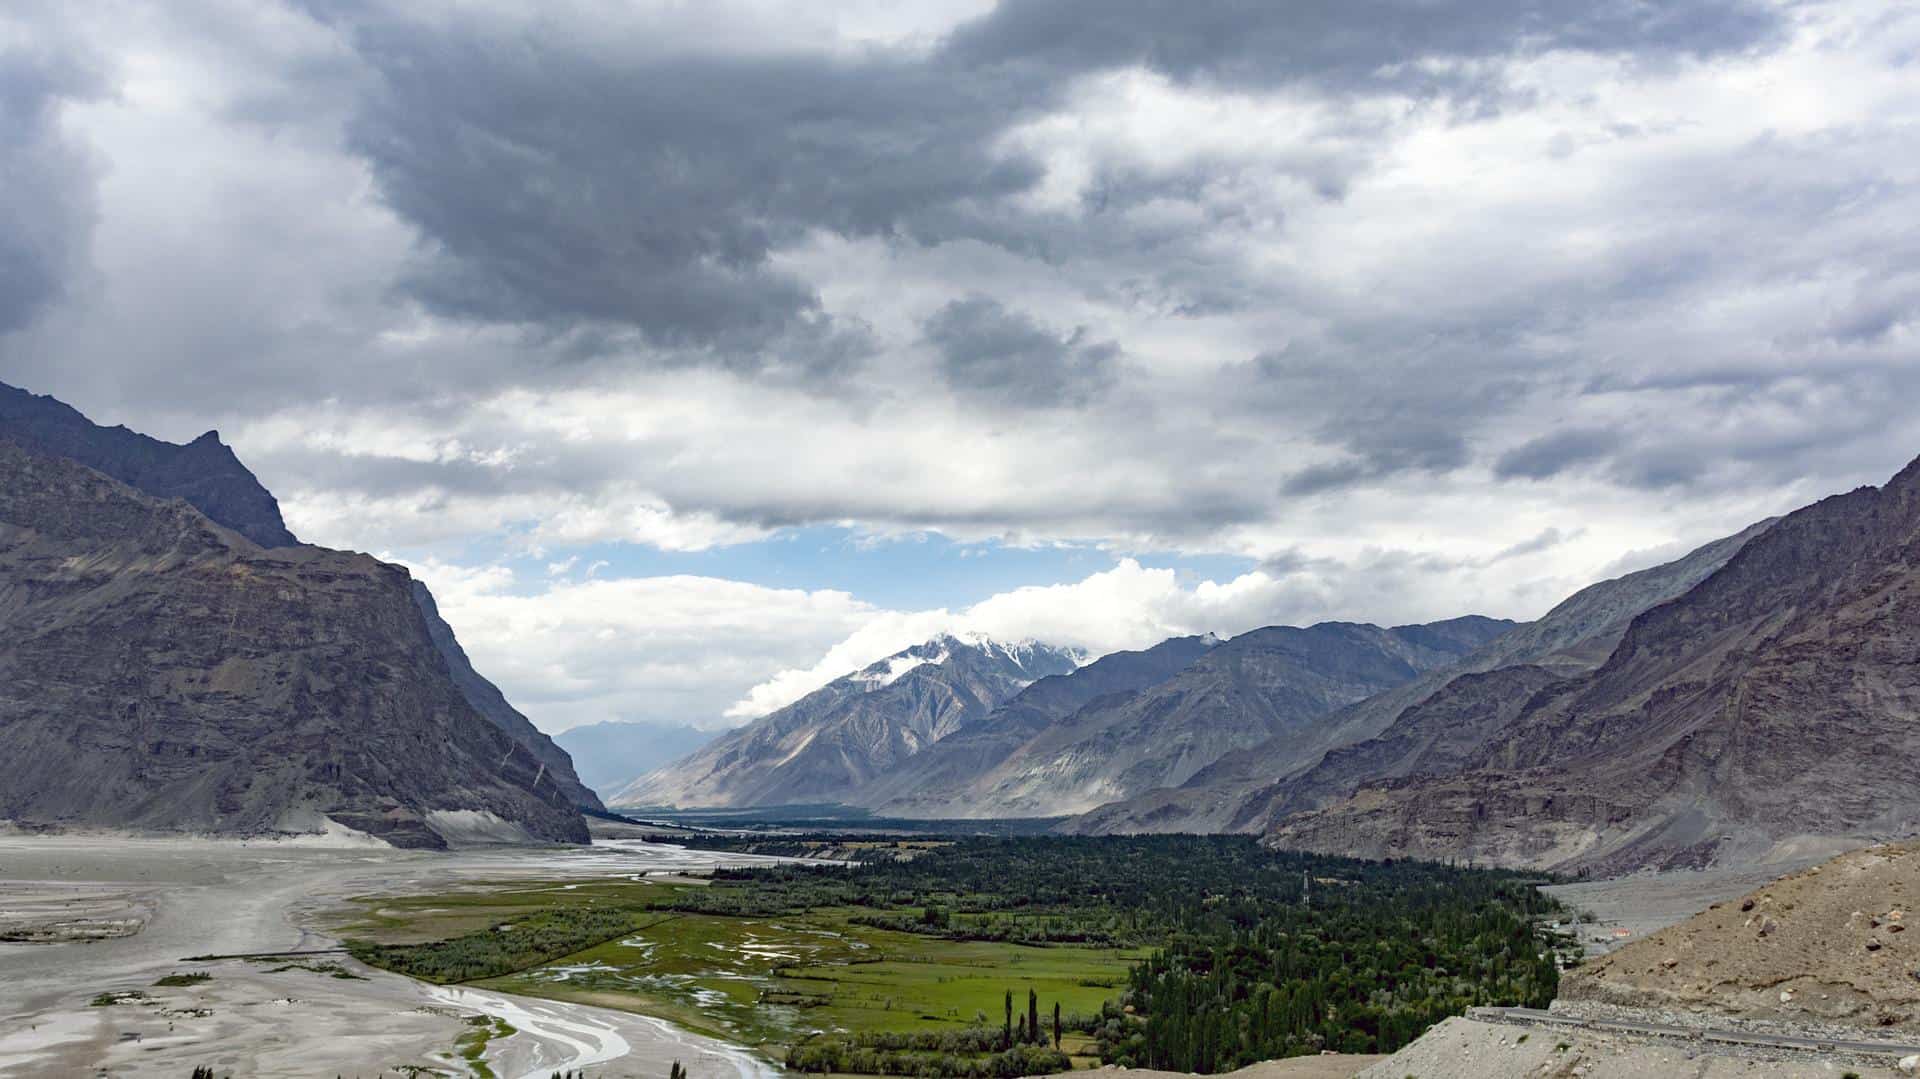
698 352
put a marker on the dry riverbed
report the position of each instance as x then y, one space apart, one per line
98 977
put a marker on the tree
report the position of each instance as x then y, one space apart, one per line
1009 1033
1033 1016
678 1071
1056 1024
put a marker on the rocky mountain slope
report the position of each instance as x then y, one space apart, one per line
1272 683
1775 702
208 476
929 783
1427 725
486 699
842 736
204 472
160 671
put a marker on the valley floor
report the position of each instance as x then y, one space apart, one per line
125 913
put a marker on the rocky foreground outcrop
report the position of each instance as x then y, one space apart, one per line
160 671
1836 943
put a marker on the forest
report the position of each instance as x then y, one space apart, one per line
1256 954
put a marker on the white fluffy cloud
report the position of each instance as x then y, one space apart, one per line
669 649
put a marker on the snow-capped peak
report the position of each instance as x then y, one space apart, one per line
1021 653
891 669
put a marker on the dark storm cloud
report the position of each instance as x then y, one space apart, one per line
1340 44
1391 410
555 182
991 352
1549 455
47 209
563 172
601 187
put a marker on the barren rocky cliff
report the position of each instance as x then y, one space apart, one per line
207 475
161 671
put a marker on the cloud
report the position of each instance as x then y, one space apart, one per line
1004 356
1549 455
1128 606
1366 294
47 215
1339 45
644 176
663 649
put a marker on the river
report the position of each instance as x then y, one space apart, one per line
223 897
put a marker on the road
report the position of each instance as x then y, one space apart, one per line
1537 1017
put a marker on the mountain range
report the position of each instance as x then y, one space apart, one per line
1754 699
173 659
853 729
1772 709
975 728
1416 725
1147 733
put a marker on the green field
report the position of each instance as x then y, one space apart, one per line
950 958
760 982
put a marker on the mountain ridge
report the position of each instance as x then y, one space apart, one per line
1244 790
1268 682
1775 703
839 737
204 472
211 478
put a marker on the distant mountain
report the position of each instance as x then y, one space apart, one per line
160 671
205 471
611 754
1277 682
1426 724
842 736
1773 707
929 782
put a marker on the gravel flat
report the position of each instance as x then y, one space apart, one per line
227 897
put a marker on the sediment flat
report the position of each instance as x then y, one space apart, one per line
119 913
